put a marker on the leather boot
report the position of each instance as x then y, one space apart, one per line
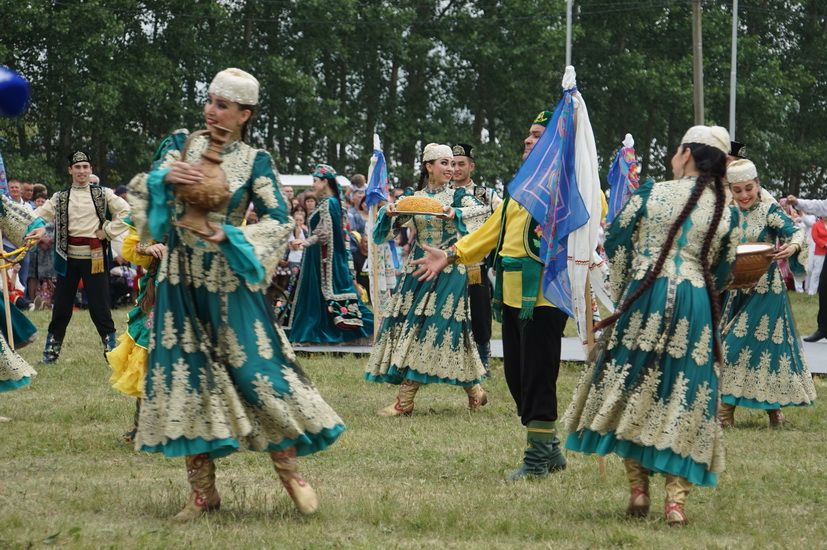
129 437
638 477
404 404
816 336
477 397
303 495
776 418
51 351
203 498
484 351
726 415
676 490
542 454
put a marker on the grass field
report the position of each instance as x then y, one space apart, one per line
432 480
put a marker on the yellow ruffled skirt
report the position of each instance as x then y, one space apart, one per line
128 364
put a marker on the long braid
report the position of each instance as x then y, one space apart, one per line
653 273
710 283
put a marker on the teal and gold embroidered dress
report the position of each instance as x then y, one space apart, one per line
326 307
221 375
16 221
651 393
764 367
426 333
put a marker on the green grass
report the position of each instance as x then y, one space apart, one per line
432 480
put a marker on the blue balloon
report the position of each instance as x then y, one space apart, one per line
14 93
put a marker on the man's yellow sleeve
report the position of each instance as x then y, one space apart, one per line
474 247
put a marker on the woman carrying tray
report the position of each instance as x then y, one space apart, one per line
764 364
425 336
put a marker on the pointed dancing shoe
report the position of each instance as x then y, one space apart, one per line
203 496
675 515
638 502
404 404
477 397
300 491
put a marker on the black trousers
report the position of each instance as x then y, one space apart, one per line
480 298
822 301
531 360
97 294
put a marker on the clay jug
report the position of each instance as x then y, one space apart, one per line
213 193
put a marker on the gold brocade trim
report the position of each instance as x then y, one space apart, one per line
13 368
15 221
639 415
756 380
218 411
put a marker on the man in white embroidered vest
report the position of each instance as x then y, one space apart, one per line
86 217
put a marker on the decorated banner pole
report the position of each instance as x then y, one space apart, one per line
375 193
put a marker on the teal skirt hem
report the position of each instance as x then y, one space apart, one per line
305 444
661 461
9 385
754 404
395 376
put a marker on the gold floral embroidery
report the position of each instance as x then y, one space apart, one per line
679 342
169 338
263 341
630 210
635 412
740 329
648 339
448 307
630 336
188 341
778 333
702 347
762 331
233 349
764 384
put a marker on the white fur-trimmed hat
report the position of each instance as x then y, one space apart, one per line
235 85
714 136
435 151
741 170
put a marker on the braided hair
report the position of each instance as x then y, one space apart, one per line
711 165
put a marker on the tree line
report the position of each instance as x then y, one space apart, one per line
116 76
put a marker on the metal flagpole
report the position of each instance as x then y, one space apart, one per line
733 70
697 62
569 4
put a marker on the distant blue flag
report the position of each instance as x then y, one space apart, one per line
378 187
624 176
546 185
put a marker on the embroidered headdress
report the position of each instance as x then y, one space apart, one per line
324 171
435 151
463 150
235 85
714 136
543 118
741 170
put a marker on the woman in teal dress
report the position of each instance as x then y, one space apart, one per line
650 395
18 226
764 367
326 307
221 374
426 334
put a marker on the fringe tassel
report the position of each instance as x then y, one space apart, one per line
474 275
97 260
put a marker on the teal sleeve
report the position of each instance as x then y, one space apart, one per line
37 223
159 212
722 271
620 236
241 255
383 228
